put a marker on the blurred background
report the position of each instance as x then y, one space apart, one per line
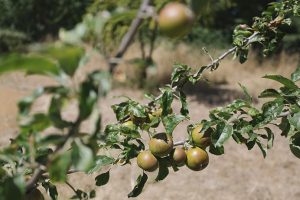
98 26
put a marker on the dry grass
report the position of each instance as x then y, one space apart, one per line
238 174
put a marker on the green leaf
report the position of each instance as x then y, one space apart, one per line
216 150
54 111
120 110
31 64
140 183
248 96
269 93
100 162
68 57
253 112
25 103
92 194
129 132
102 179
166 101
12 187
270 137
262 148
295 145
295 120
42 154
243 55
38 122
286 82
184 106
296 75
87 100
52 139
171 121
163 171
284 126
271 110
136 109
59 167
222 134
180 72
101 81
82 156
250 144
50 189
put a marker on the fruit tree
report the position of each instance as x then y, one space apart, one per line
39 158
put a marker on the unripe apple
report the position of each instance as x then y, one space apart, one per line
161 144
147 161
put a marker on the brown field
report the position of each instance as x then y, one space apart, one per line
239 174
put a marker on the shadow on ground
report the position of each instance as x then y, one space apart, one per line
212 94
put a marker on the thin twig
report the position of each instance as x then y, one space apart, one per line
34 179
152 40
285 114
213 63
72 188
179 143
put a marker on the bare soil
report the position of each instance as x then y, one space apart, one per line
239 174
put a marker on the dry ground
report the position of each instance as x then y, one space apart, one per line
239 174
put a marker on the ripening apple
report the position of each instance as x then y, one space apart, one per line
175 19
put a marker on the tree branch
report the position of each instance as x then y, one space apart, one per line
182 142
213 63
127 39
39 170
